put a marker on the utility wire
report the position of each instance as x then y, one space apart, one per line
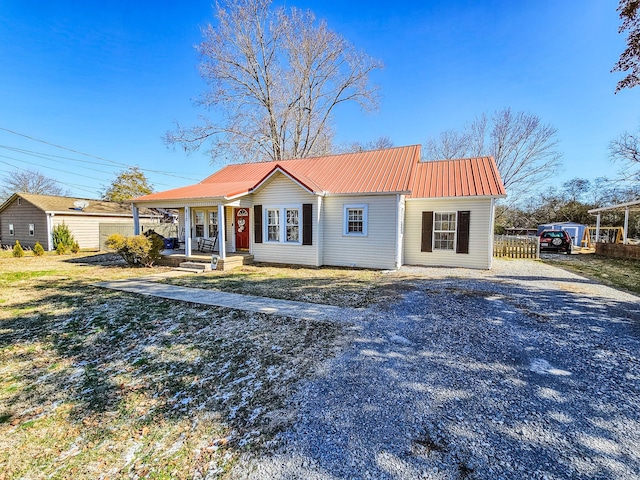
74 185
160 172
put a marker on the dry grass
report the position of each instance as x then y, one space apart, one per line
329 286
103 384
623 274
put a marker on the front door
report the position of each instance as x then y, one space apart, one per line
242 229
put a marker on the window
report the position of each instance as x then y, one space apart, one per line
199 223
273 225
213 224
293 224
444 231
12 232
32 229
355 220
282 224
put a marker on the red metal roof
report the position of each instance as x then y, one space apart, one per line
392 170
463 177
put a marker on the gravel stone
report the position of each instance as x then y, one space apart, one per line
524 371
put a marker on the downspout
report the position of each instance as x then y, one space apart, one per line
597 229
491 227
626 226
50 231
399 229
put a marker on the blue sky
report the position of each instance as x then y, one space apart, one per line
110 78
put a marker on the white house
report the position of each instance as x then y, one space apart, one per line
376 209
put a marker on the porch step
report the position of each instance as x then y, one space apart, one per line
196 267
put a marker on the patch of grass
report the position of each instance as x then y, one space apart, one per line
330 286
95 382
623 274
10 277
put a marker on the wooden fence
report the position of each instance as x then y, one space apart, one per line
126 229
516 246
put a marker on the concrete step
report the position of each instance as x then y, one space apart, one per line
194 267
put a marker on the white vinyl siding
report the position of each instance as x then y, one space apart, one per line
480 234
375 250
282 193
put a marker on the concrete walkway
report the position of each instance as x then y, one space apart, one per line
288 308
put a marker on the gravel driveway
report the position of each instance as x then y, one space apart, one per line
526 371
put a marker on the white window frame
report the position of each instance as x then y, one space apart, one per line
436 231
212 215
197 213
282 224
32 229
12 230
287 225
365 217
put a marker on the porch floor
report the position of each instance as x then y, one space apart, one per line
174 258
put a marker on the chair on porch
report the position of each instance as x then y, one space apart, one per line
208 244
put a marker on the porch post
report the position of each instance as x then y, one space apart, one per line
221 225
136 219
597 228
187 231
626 225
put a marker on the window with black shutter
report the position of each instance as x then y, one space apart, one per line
427 232
257 223
462 233
307 224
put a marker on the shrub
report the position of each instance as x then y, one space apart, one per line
139 250
18 251
38 251
63 241
75 248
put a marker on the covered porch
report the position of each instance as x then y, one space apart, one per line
208 227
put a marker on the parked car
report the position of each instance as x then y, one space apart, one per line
557 240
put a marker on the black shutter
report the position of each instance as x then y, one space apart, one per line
427 232
462 232
307 224
257 223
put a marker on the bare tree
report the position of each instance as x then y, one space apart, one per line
626 150
630 58
379 144
28 181
276 77
524 148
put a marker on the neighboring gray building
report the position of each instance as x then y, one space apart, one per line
31 218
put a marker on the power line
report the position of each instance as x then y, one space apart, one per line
159 172
74 185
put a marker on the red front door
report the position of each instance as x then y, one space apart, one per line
242 228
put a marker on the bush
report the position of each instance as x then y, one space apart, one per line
63 241
38 250
75 248
139 250
18 251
